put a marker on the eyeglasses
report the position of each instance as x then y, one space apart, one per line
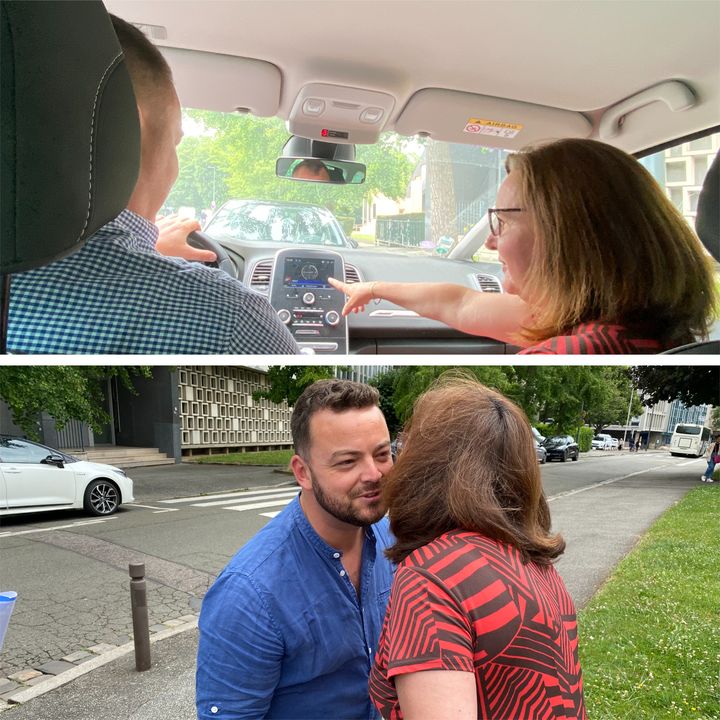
497 224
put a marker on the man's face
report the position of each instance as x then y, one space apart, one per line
305 172
349 455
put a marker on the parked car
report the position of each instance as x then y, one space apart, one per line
276 223
540 453
602 442
562 447
615 444
37 478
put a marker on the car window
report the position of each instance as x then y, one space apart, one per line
680 170
18 451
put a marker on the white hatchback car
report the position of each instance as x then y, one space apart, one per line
36 478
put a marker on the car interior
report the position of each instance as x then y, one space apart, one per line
489 76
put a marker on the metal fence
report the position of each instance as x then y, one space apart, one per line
403 230
72 436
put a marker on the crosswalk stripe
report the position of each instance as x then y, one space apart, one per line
290 494
257 506
236 494
271 514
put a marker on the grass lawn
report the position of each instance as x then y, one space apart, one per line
264 457
650 638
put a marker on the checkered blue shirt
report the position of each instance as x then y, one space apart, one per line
118 295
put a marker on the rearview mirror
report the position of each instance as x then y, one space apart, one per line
338 172
319 161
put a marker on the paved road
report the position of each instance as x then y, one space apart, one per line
72 580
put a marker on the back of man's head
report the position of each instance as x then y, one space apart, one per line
335 395
149 71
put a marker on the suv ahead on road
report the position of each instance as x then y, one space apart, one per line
562 447
37 478
602 442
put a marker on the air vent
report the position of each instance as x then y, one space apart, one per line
261 274
488 283
351 274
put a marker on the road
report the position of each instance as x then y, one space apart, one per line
70 570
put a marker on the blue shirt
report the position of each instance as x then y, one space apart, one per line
282 631
118 295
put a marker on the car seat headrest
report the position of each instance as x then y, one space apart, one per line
70 135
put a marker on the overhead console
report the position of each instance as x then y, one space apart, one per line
306 302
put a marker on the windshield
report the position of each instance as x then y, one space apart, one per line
420 196
552 442
688 430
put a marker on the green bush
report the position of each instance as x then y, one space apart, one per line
585 438
545 429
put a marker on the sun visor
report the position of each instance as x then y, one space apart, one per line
460 117
202 80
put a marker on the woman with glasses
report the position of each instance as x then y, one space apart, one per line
479 623
595 257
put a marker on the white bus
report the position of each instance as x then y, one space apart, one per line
690 440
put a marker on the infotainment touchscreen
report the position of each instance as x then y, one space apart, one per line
302 272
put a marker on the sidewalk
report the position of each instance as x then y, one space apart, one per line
601 525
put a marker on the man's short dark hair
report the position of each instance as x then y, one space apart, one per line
335 395
149 71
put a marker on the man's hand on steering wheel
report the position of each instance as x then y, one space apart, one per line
172 240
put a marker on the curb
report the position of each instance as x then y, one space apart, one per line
30 693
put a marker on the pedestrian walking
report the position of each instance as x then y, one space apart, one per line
713 460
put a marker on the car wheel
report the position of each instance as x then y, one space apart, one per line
564 457
575 456
544 460
101 498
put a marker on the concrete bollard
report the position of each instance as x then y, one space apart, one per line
141 624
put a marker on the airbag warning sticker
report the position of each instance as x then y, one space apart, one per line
477 126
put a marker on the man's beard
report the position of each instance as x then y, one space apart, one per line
343 510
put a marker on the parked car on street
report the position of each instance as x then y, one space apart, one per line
602 442
275 223
562 447
37 478
540 453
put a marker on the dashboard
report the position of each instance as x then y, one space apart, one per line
385 328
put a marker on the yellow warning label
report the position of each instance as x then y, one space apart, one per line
482 126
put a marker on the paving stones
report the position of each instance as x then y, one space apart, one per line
7 686
76 657
55 667
24 675
40 673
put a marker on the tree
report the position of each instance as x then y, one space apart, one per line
385 384
287 382
65 393
692 385
715 419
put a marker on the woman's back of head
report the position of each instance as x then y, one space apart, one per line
468 462
610 246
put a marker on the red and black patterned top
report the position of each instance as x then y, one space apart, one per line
468 603
596 339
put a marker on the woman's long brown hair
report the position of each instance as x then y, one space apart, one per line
468 462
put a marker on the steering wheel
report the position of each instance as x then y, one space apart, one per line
205 242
